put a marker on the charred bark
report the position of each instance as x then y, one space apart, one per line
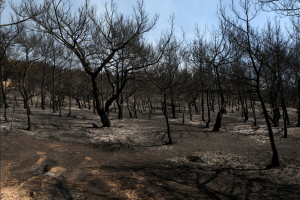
101 112
165 112
208 109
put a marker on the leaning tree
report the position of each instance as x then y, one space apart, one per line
241 33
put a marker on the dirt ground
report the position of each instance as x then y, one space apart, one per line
75 158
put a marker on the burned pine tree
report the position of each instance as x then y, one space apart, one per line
94 40
240 32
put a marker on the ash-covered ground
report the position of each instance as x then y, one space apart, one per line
75 158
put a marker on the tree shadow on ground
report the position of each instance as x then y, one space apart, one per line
190 182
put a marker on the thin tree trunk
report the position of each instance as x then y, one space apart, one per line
134 106
13 114
285 124
120 107
212 103
208 109
89 103
130 113
275 159
28 116
173 104
167 119
253 109
94 107
53 90
196 108
222 110
3 87
298 124
202 105
190 111
5 116
43 88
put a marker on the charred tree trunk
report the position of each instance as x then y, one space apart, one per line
212 102
298 124
245 110
78 101
120 107
196 108
3 93
134 106
165 112
284 110
5 114
89 101
43 94
70 103
285 124
208 109
202 105
190 111
59 99
128 108
28 116
253 109
173 104
70 93
53 89
275 158
218 122
94 107
222 110
101 112
276 114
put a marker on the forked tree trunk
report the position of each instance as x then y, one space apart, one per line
101 112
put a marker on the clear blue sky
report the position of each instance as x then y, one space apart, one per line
188 13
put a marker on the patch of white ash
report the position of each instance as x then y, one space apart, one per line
213 159
258 134
120 133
